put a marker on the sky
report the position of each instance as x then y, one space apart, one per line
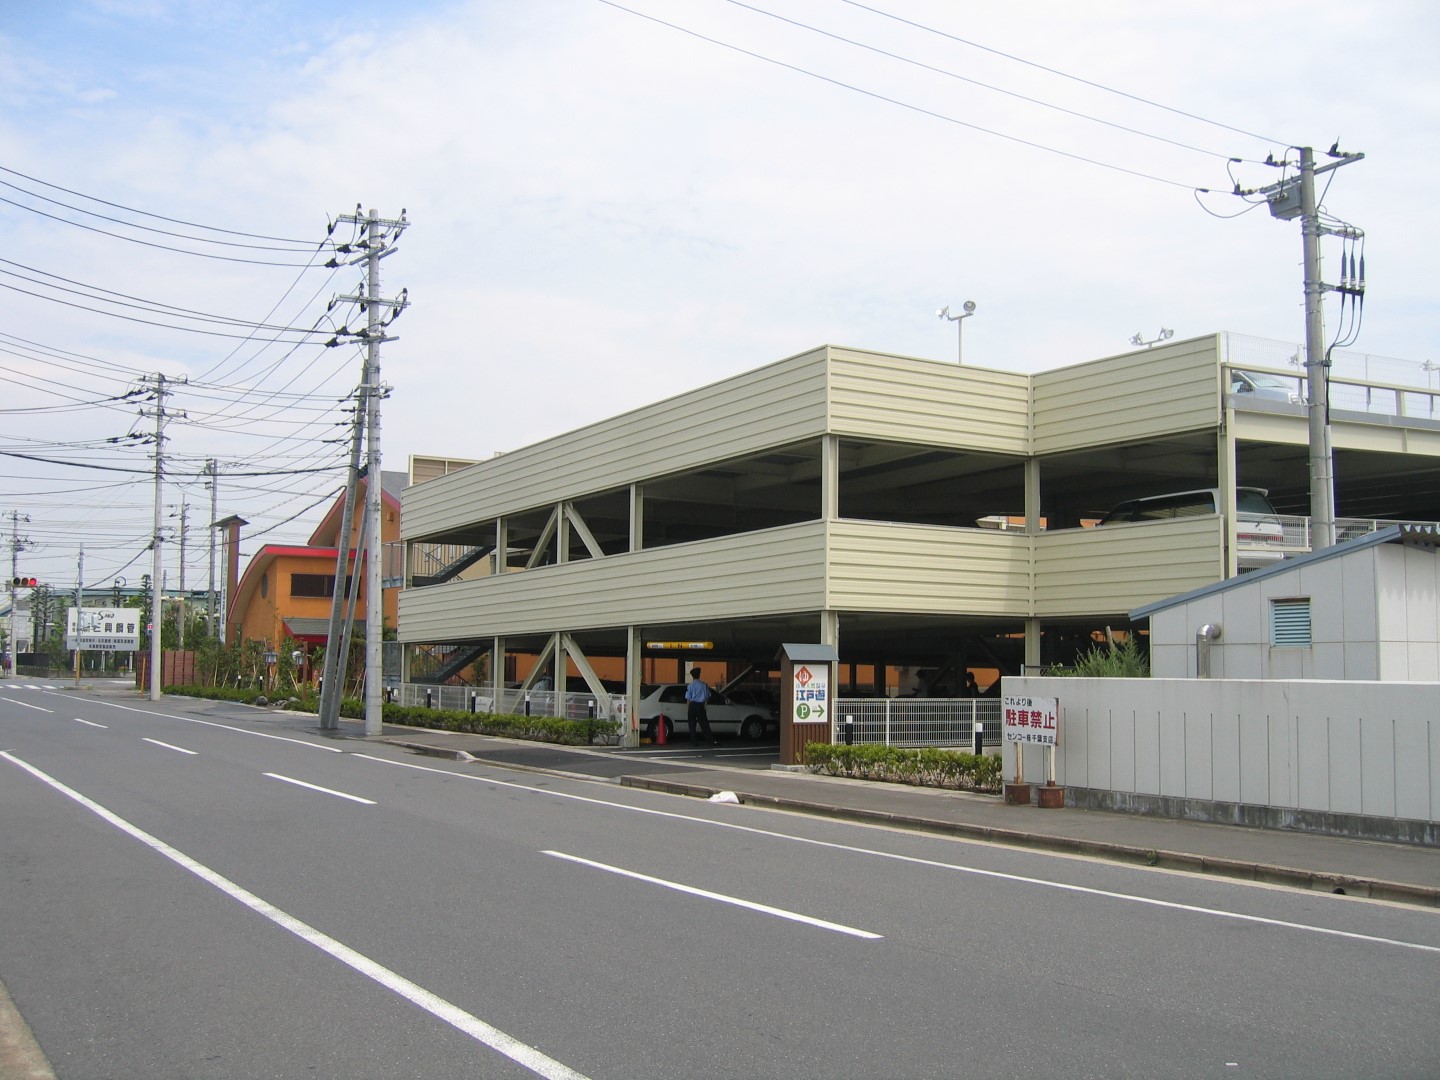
610 203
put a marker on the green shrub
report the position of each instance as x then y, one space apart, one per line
549 729
1124 660
924 767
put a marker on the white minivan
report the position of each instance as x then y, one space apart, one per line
1259 536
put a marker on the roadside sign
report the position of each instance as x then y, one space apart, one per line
102 629
1032 720
811 694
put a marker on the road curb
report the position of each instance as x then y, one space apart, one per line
1317 881
1189 862
20 1055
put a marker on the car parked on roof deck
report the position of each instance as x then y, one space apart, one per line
1259 534
749 719
1261 384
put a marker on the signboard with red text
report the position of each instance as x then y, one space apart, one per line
1031 720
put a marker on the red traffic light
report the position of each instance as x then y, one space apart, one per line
24 582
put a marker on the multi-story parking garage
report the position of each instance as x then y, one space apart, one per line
918 516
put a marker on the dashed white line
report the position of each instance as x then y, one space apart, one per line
227 727
91 723
317 787
517 1051
170 746
26 705
751 905
938 864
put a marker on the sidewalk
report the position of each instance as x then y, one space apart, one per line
1368 868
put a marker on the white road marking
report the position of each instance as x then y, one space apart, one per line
91 723
325 790
934 863
227 727
26 705
766 909
168 746
517 1051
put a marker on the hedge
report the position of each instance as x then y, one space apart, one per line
549 729
924 767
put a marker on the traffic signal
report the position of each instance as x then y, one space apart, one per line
24 582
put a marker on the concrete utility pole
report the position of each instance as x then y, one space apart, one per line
212 623
1291 198
180 615
377 240
79 602
332 676
18 544
156 589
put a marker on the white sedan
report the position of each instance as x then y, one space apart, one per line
749 720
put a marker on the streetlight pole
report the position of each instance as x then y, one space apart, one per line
958 320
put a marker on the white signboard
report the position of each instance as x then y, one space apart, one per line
812 694
1032 720
103 629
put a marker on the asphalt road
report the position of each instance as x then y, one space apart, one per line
199 890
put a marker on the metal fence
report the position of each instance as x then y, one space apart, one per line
480 699
917 721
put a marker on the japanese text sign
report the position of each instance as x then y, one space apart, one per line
811 689
1032 720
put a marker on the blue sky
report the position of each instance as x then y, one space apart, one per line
606 210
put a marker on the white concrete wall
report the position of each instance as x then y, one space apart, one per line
1339 747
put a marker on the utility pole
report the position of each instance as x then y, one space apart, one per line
156 594
333 673
18 544
79 602
1291 198
377 240
180 615
214 626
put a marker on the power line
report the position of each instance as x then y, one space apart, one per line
902 104
1061 74
146 213
976 82
162 247
156 307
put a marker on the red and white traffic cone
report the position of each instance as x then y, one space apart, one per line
660 730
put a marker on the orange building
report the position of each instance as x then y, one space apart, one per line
286 590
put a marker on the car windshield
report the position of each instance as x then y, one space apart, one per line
1273 382
1252 502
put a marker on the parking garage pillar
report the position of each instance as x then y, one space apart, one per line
807 693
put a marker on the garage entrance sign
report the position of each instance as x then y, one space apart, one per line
812 694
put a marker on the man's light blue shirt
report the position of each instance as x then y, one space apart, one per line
697 691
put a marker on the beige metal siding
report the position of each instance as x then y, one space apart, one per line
928 570
770 572
773 406
424 468
1127 398
899 399
1119 567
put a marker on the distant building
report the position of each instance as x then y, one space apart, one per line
286 589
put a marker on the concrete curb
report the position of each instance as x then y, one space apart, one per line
20 1055
1290 877
1319 881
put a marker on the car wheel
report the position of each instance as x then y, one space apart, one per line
753 729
